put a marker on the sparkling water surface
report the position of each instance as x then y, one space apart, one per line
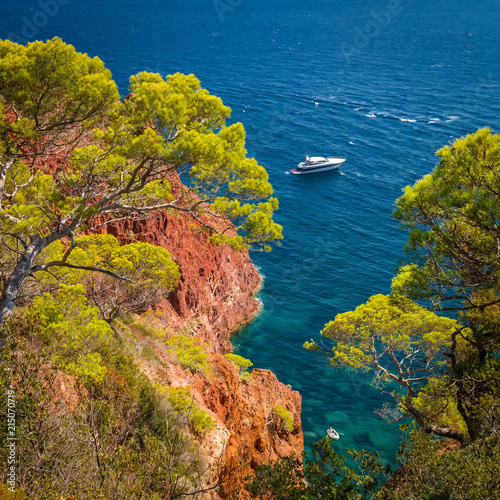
383 83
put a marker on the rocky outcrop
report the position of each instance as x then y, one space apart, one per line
249 431
214 297
247 408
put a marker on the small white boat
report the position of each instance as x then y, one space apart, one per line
332 433
316 164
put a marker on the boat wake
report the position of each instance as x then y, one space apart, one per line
417 119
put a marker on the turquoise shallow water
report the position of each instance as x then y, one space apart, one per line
384 83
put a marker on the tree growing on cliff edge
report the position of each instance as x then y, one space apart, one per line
450 370
453 219
148 273
73 156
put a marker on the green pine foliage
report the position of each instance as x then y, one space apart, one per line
89 425
443 372
149 354
323 475
73 332
285 418
433 469
190 355
183 402
242 364
74 158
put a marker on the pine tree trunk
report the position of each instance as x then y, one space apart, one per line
20 273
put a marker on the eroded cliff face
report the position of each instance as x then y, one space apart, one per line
214 297
248 431
248 410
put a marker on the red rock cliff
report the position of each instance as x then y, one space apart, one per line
214 297
248 410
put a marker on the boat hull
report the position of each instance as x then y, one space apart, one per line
315 170
318 164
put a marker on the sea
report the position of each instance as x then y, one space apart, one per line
383 83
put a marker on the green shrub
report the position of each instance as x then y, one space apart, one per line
286 419
127 319
242 364
149 354
190 355
183 402
149 330
7 494
468 473
73 332
141 439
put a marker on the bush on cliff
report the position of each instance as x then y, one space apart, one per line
241 363
147 273
284 418
183 402
91 429
190 355
433 469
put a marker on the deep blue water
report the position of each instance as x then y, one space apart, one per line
384 83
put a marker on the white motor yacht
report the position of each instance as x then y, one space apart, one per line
316 164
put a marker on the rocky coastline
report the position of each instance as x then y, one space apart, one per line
214 298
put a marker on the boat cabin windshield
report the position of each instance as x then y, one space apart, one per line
314 160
